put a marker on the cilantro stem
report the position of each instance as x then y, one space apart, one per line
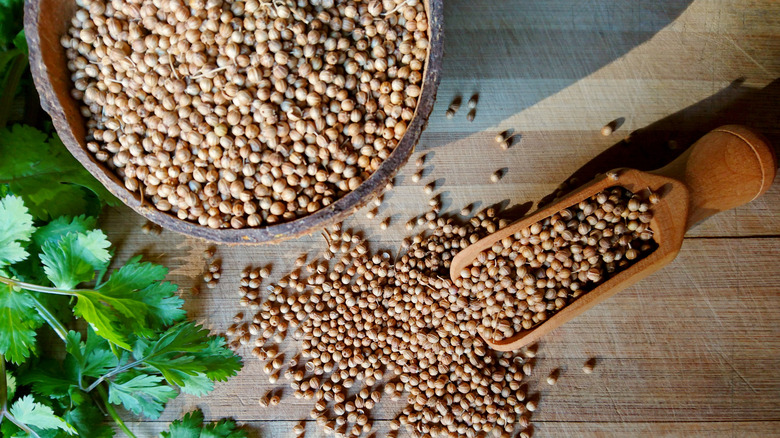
114 372
3 386
114 415
36 288
52 320
19 424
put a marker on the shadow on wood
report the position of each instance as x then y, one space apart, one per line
657 144
553 44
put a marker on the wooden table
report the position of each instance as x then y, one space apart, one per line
693 350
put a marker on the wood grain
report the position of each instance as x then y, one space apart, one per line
694 350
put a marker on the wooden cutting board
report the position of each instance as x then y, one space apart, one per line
693 350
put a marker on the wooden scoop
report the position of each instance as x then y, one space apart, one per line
728 167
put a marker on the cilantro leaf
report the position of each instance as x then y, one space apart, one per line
146 280
191 426
88 421
75 258
55 230
48 379
42 171
18 322
15 226
10 20
92 359
187 356
10 383
26 410
134 301
143 394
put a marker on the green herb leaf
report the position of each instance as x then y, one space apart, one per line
191 426
93 359
26 410
75 258
143 394
20 41
55 230
18 322
42 171
10 20
133 302
10 383
15 227
187 356
145 281
48 379
88 421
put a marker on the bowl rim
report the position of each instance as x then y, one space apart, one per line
52 103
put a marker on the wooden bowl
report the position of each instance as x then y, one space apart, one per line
45 21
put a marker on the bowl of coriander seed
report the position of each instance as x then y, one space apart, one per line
240 122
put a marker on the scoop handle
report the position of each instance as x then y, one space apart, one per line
730 166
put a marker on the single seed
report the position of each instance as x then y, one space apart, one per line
587 368
496 176
471 115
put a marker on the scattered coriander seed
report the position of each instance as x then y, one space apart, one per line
587 368
372 213
530 405
466 211
301 260
209 252
265 400
607 130
506 143
471 115
147 228
275 400
385 223
420 160
472 103
428 188
389 186
417 176
450 113
299 428
552 378
377 201
496 176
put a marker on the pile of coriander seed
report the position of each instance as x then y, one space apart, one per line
370 325
524 279
235 114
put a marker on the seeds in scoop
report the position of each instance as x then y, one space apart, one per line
541 269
